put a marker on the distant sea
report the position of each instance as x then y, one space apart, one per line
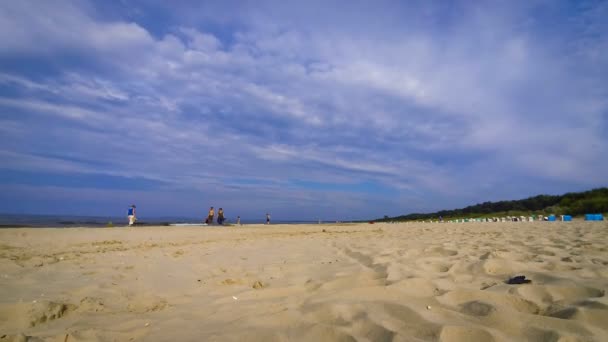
61 221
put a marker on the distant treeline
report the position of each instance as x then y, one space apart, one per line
573 203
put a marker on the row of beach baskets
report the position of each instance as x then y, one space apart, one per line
588 217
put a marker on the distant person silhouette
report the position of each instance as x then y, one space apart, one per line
220 216
131 215
210 216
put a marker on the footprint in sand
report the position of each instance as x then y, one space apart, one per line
435 266
178 253
371 331
463 300
452 333
573 292
258 285
143 304
439 251
477 308
380 270
559 311
534 293
317 332
29 315
599 262
91 304
230 281
535 334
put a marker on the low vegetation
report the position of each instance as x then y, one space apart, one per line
573 203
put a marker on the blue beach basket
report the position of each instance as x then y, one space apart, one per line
594 217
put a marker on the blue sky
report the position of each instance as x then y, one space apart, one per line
306 110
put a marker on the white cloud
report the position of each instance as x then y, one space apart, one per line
201 41
67 112
51 27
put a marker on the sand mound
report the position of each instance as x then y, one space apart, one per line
417 287
19 338
573 293
498 267
371 331
372 321
534 293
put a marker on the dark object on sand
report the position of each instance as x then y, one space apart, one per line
518 280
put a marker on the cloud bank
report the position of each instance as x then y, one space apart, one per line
327 110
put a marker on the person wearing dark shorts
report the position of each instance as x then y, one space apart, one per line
220 216
210 216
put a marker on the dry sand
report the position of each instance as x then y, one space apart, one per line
381 282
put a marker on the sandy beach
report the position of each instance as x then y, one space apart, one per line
351 282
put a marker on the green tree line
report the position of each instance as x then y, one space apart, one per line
573 203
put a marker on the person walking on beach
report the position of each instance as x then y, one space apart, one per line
238 220
220 216
210 216
267 218
131 215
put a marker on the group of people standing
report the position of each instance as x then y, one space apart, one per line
211 215
221 219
